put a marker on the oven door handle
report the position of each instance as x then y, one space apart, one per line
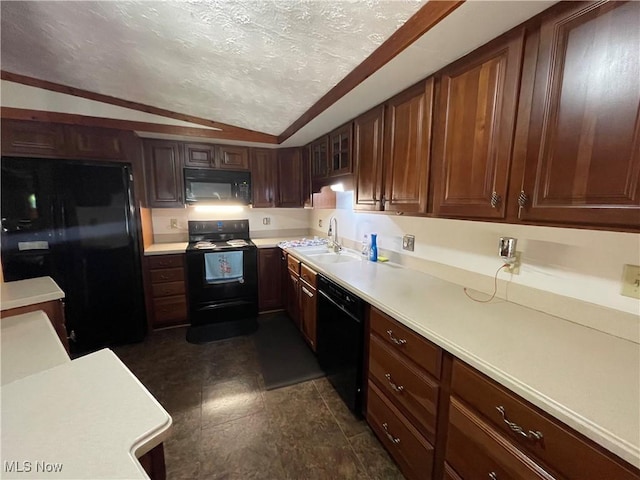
337 305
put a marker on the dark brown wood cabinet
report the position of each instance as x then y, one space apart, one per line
308 305
163 173
165 290
474 129
579 132
290 178
33 138
54 309
367 153
264 174
233 158
407 140
269 279
340 151
97 143
201 155
319 153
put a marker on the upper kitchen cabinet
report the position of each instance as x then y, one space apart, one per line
96 143
407 138
340 151
199 155
367 154
473 130
264 173
290 178
163 173
319 153
578 143
33 138
233 158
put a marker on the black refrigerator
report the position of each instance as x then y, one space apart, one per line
75 222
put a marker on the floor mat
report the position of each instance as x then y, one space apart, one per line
284 357
221 330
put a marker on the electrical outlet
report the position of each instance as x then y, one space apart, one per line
320 223
514 268
631 281
173 223
266 221
408 242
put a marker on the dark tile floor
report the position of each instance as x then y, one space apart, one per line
227 426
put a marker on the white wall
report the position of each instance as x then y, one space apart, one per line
581 264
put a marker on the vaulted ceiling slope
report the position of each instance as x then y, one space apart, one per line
256 64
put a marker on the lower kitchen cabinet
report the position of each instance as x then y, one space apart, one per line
165 290
269 284
292 286
308 305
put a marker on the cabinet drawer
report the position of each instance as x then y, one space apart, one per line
164 275
476 450
560 447
168 289
450 473
408 386
410 449
403 340
170 310
308 275
164 261
293 264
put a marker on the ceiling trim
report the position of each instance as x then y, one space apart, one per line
78 92
74 119
432 13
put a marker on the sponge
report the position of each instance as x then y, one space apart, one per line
382 259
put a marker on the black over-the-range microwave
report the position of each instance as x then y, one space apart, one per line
217 187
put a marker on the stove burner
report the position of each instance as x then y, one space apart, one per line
237 243
205 245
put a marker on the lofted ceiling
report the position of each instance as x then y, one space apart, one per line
255 64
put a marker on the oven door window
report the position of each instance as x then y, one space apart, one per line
209 191
224 267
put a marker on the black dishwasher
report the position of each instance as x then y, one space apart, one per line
340 340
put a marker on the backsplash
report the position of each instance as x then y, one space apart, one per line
283 222
561 268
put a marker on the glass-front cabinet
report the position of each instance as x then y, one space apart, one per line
340 150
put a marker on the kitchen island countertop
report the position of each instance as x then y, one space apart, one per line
588 379
28 292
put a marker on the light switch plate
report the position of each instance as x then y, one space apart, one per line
631 281
174 223
266 221
408 242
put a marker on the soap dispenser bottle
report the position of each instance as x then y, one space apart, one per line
373 250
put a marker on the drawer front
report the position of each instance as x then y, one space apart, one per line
308 275
413 390
559 447
477 451
165 261
168 289
450 473
170 310
167 275
403 340
293 264
405 444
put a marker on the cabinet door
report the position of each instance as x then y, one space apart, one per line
290 171
163 173
474 130
233 158
367 153
199 155
406 146
308 306
319 151
264 167
269 285
293 297
582 153
32 138
340 151
96 143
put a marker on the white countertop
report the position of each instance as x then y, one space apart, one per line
91 415
29 345
587 379
28 292
166 248
269 242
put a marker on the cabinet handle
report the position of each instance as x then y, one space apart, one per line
493 475
530 435
163 277
394 440
495 199
307 292
523 200
397 341
397 388
399 212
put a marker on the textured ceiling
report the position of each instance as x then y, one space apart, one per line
257 64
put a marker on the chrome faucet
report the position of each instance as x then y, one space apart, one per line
333 235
